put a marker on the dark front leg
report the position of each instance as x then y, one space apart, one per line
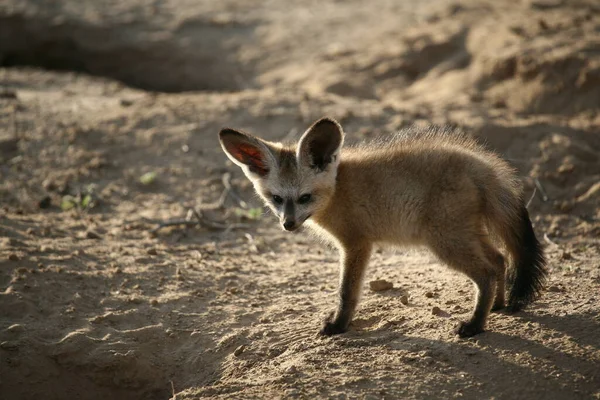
354 261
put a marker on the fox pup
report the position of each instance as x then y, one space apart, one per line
434 188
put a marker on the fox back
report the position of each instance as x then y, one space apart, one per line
414 184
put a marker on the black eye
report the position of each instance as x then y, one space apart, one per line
277 199
305 198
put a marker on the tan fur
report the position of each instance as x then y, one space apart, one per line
434 188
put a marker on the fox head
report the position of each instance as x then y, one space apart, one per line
297 181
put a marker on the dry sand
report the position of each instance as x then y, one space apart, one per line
94 306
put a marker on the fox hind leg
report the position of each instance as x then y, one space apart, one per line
497 260
465 254
485 282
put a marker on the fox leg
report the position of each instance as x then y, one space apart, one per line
465 254
354 259
497 260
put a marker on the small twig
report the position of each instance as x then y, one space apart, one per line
290 136
251 242
217 205
205 222
538 184
174 222
15 124
547 239
577 307
193 212
195 216
223 198
232 227
173 390
531 198
227 183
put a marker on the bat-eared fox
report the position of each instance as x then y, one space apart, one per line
435 188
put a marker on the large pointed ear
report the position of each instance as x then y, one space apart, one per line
246 151
321 143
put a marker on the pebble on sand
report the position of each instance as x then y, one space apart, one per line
440 313
90 234
7 242
380 285
45 202
15 328
291 369
9 345
237 352
556 288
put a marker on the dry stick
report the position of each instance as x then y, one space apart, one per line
217 205
547 239
15 123
205 222
202 220
531 198
538 184
174 222
228 191
231 227
221 202
214 179
577 307
215 224
251 242
227 183
173 390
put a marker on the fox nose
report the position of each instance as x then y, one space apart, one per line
289 224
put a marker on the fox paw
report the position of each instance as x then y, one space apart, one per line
332 327
468 329
513 308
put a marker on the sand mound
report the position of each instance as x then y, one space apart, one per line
522 57
542 63
177 53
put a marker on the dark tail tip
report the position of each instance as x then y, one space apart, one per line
529 273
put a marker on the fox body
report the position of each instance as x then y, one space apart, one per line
434 188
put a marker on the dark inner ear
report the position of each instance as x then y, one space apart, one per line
322 141
246 150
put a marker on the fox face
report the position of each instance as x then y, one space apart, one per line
296 181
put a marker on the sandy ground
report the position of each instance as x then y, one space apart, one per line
94 305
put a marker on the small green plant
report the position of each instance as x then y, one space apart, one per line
148 178
251 214
84 200
68 202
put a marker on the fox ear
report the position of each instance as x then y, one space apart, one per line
320 144
246 151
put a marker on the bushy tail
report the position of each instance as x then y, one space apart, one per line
528 273
508 218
